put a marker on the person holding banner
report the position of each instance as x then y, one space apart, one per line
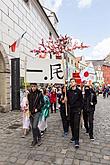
36 102
75 104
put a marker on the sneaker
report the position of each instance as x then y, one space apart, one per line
42 135
23 136
91 138
39 142
33 143
87 131
72 140
65 134
76 144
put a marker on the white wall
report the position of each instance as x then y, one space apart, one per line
17 17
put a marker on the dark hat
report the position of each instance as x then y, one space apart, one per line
87 86
34 84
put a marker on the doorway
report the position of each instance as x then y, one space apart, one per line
4 81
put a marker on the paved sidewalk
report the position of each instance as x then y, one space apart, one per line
55 149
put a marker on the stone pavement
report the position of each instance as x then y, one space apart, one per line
55 149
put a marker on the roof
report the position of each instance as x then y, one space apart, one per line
52 12
107 58
99 63
106 64
55 16
96 62
79 58
47 17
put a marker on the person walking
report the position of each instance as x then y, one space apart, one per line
53 99
25 114
65 121
104 92
90 100
75 101
45 113
36 102
107 91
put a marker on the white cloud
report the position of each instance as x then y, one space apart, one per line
57 5
84 3
53 5
102 49
98 52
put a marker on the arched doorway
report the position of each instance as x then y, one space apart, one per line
4 81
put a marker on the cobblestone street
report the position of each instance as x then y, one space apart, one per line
55 149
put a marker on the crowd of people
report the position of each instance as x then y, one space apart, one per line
71 101
106 91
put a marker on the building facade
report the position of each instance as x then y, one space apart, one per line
102 68
106 69
106 73
99 74
16 17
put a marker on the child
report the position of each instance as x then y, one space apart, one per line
25 110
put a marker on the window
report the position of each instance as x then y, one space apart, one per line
27 2
50 34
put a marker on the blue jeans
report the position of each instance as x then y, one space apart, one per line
34 119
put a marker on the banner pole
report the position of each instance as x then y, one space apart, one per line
25 73
64 82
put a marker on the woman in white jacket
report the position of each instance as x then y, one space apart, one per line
25 114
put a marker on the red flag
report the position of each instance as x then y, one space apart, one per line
16 43
13 47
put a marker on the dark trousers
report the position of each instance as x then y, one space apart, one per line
75 123
88 121
34 119
65 120
53 104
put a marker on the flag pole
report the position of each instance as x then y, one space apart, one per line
64 82
25 73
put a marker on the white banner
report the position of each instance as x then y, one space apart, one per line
45 71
